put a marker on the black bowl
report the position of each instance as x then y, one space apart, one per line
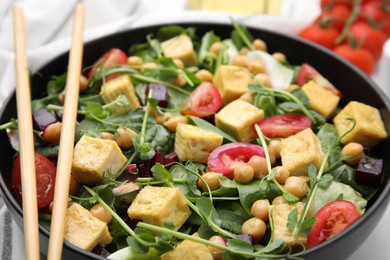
353 83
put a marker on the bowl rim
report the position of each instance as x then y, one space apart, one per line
383 196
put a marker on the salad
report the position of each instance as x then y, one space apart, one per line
193 146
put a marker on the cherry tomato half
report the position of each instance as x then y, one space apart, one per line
229 156
282 126
307 73
331 219
359 57
320 34
204 101
45 173
111 58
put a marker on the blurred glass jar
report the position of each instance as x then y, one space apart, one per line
246 7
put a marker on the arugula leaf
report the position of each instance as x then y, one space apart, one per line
161 174
207 40
275 247
231 220
170 31
240 245
207 126
137 247
56 85
267 103
325 181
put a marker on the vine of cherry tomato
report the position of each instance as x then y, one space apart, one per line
355 30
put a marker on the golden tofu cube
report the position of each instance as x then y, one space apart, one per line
301 150
321 100
195 144
84 230
278 215
369 129
180 47
158 205
238 119
189 250
121 85
95 157
232 82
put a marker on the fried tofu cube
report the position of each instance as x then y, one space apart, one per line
369 129
301 150
189 250
195 144
180 47
321 100
95 157
278 215
232 82
158 205
121 85
84 230
238 119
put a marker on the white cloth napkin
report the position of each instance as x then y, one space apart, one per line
48 26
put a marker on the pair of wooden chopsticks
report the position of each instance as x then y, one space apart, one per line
26 141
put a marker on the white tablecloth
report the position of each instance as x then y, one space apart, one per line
48 25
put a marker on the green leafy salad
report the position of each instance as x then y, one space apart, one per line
197 147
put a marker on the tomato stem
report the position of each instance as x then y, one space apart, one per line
354 14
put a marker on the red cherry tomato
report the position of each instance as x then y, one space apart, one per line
282 126
374 12
337 16
325 36
111 58
229 156
307 73
359 57
325 4
331 219
46 175
204 101
372 39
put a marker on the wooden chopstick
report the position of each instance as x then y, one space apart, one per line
26 139
65 154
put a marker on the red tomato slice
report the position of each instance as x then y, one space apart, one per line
111 58
331 219
229 156
282 126
203 102
45 173
307 73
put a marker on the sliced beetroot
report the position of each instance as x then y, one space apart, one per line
159 93
164 159
369 171
43 118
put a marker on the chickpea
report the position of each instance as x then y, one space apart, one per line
52 133
281 175
99 212
73 185
216 47
259 166
259 44
296 186
216 252
153 112
61 97
180 81
260 209
256 66
162 118
271 154
247 97
244 50
254 227
279 57
279 200
173 121
263 79
211 178
352 153
179 63
276 145
124 137
135 61
240 61
204 75
243 174
83 86
149 65
107 136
